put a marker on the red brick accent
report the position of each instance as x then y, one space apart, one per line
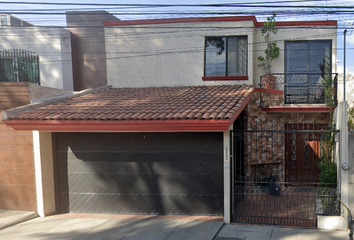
226 78
180 20
297 109
269 91
217 19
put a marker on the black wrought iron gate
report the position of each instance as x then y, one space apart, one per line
284 176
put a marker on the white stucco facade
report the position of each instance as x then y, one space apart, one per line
172 54
295 33
53 46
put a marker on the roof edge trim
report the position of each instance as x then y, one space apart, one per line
180 20
297 109
120 126
6 114
217 19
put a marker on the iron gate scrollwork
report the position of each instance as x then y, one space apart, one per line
283 174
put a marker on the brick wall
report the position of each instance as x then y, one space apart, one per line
17 185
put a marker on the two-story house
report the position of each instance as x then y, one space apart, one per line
185 127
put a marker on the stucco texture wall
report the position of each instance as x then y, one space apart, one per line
53 46
299 33
166 54
173 54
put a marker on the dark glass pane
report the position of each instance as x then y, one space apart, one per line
242 60
215 56
296 57
237 56
232 56
320 57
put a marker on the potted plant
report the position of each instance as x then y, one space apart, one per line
271 52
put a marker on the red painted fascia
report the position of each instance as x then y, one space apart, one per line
128 126
226 78
124 126
217 19
268 91
304 23
180 20
242 107
297 109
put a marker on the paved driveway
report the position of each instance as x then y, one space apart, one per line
128 229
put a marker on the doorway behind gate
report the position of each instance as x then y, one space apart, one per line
284 174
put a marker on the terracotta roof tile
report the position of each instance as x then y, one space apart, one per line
157 103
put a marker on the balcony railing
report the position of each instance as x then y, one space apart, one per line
307 88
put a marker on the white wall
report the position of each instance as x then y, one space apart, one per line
52 44
349 88
173 54
166 54
293 34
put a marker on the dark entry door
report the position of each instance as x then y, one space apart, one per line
303 150
141 173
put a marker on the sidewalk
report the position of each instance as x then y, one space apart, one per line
136 227
9 218
256 232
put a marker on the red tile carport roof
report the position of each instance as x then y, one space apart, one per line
192 108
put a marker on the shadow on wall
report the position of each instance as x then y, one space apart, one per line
141 173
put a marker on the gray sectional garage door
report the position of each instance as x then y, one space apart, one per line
140 173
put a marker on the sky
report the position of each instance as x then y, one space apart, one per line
53 13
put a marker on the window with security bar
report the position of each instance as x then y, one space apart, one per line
19 66
226 56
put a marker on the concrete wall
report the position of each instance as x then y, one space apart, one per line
52 44
88 44
349 88
351 172
44 174
343 154
173 54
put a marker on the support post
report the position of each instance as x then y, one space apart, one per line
44 173
227 178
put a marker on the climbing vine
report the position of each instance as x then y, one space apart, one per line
328 169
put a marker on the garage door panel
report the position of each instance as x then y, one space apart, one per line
168 204
119 175
134 156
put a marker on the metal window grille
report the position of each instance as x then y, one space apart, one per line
19 66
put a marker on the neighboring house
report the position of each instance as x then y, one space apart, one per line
88 47
41 55
7 20
185 128
35 63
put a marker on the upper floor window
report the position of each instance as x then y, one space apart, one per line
308 69
226 56
308 56
19 66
